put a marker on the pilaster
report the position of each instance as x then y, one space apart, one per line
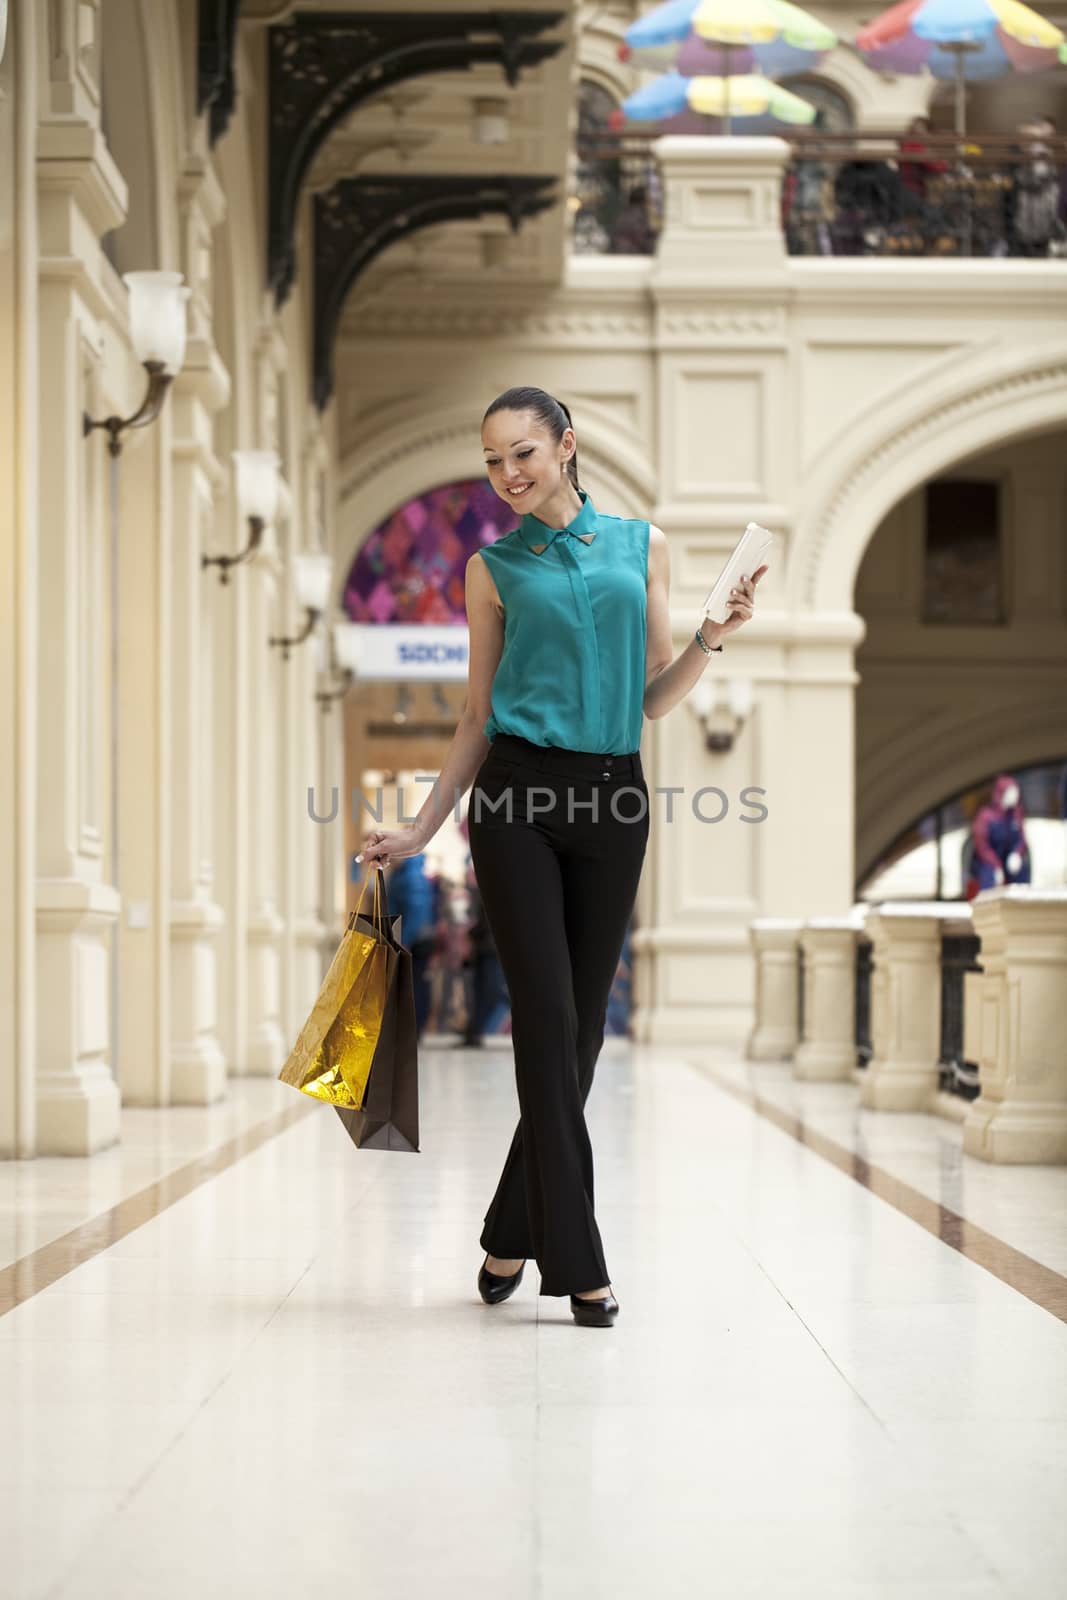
80 194
1021 1113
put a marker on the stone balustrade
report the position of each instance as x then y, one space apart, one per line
1014 1010
827 1048
1018 1027
906 1001
774 940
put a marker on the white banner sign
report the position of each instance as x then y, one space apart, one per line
401 651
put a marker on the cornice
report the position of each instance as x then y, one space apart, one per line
488 322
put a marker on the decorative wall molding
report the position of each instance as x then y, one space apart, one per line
464 321
322 65
1032 377
360 217
701 323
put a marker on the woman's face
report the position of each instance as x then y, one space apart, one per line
524 463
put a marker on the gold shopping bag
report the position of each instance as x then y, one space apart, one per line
334 1052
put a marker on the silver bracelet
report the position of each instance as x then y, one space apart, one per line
707 648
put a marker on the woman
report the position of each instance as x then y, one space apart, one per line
570 648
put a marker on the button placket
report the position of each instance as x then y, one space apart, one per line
586 633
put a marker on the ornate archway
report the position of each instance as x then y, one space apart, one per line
971 403
429 447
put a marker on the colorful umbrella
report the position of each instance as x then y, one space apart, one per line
962 40
746 96
709 38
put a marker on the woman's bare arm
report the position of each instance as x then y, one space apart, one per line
469 746
668 681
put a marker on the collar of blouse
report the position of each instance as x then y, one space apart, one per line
582 525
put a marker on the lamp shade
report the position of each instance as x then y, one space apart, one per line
740 692
346 650
157 317
312 573
257 483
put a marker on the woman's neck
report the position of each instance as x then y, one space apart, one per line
560 508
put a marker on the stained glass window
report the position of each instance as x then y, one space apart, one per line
412 567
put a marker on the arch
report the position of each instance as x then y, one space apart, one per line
988 397
424 448
946 756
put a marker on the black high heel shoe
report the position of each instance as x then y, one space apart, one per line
494 1287
595 1313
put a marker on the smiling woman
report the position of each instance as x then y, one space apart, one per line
570 648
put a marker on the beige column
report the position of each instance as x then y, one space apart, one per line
80 196
309 889
18 580
198 1064
268 763
1021 1113
227 614
775 946
906 1003
828 1049
749 838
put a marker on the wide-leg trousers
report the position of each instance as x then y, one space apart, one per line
558 840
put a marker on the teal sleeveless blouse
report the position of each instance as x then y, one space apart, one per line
572 671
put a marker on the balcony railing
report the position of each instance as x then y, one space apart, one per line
857 194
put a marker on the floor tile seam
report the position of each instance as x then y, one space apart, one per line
1030 1278
20 1280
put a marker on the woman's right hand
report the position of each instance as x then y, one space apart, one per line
384 845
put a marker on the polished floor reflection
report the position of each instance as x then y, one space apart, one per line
273 1375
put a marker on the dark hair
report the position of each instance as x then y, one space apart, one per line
550 412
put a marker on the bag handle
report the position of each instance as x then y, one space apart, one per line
379 893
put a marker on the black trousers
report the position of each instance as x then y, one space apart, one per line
558 840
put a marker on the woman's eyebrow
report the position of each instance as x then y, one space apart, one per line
510 447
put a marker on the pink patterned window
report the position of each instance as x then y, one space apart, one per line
412 566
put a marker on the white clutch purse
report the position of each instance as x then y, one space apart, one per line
749 553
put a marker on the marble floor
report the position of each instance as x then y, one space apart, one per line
250 1360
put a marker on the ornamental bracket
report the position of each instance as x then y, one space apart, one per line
360 217
323 64
215 80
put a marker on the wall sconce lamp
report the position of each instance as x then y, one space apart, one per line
157 330
722 707
344 637
257 503
405 702
312 570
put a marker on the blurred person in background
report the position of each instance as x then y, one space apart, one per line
914 175
487 988
1036 197
1000 854
410 892
632 233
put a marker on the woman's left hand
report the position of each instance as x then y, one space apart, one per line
742 603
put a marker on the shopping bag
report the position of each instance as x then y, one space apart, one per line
388 1118
332 1057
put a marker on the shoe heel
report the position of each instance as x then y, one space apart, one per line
595 1313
